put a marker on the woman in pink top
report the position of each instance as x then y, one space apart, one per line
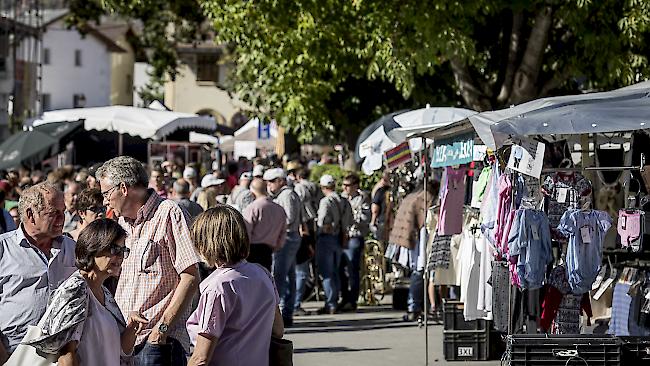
238 309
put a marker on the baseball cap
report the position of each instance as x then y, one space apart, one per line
258 170
189 173
327 181
274 173
293 165
246 175
210 180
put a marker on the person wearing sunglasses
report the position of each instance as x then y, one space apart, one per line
83 324
89 206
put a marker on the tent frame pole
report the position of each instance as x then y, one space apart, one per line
425 282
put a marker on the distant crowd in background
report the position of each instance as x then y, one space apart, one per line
132 244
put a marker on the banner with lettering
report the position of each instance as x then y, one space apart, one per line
454 151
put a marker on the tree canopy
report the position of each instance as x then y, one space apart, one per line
328 68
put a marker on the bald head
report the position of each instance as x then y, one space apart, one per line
258 187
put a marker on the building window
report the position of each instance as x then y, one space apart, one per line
207 68
77 57
78 101
46 56
46 102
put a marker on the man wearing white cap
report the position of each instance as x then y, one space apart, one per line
258 171
189 174
241 196
334 219
284 260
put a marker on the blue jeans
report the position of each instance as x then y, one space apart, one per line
328 260
352 266
416 292
284 262
170 354
302 275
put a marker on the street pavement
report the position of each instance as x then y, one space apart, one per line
373 336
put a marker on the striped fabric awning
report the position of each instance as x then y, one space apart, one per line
398 155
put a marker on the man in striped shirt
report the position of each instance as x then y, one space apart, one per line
160 276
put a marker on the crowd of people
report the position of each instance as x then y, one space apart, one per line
118 263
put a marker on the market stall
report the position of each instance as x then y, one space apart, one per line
551 236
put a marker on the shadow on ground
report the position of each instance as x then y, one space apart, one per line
325 324
335 349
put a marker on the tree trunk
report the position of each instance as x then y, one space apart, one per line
525 82
473 96
513 55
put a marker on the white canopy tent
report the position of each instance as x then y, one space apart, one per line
142 122
624 109
202 138
250 132
401 128
413 122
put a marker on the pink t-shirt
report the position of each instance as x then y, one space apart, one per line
237 306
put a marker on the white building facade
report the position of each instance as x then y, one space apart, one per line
76 69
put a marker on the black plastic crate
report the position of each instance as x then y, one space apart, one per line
455 320
466 345
562 350
635 350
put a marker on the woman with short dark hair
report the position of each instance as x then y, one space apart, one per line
83 324
89 207
238 309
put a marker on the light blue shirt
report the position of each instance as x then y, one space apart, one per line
530 239
583 259
27 279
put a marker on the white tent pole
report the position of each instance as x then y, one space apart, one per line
425 309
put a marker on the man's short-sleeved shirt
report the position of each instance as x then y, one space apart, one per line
161 249
27 278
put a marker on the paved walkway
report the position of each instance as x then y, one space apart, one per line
374 336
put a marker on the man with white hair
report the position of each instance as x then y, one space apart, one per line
70 193
160 276
34 260
284 260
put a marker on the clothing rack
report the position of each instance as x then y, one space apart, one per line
640 168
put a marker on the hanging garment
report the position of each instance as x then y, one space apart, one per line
451 204
623 313
561 309
479 188
500 286
469 259
564 191
586 231
504 210
631 225
529 248
484 301
490 206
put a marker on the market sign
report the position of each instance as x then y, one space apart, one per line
453 151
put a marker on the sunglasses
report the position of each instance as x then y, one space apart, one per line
97 209
119 251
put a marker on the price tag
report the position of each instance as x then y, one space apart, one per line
585 233
561 194
603 288
535 231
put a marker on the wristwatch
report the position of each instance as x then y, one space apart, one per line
163 328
